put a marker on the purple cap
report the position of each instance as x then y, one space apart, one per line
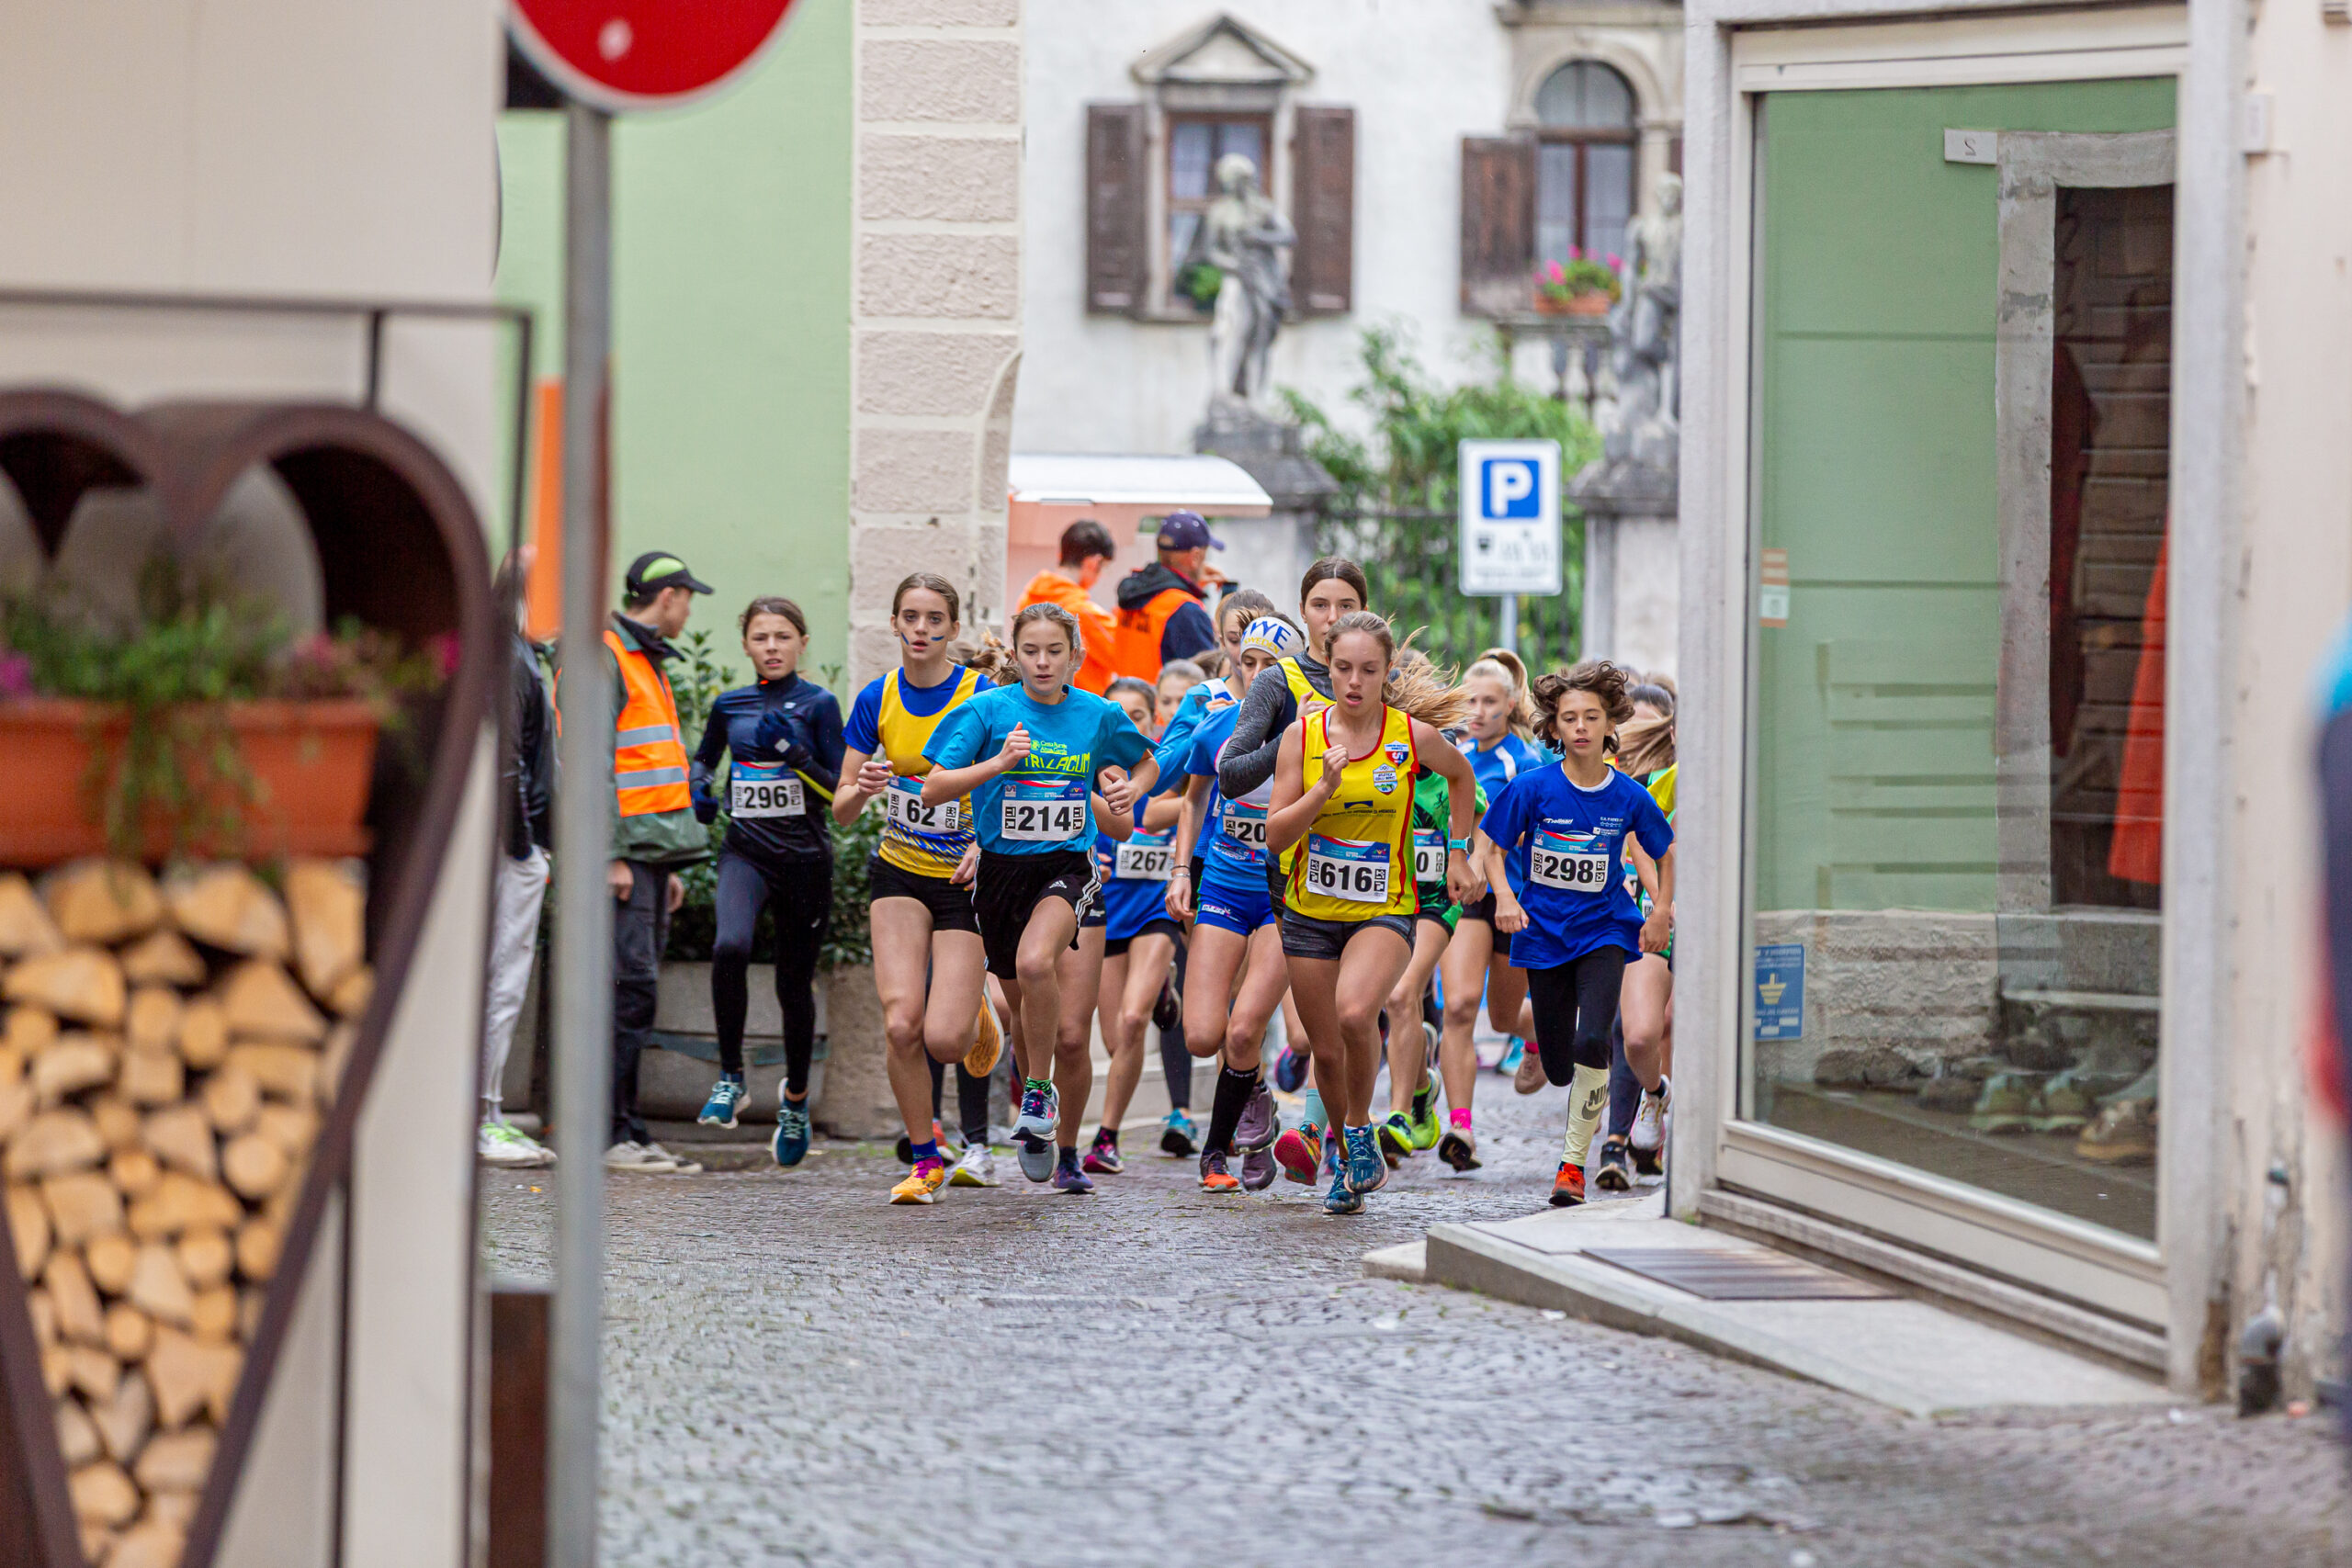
1187 531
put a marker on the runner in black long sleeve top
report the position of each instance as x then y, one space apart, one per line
1268 709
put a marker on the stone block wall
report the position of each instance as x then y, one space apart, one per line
936 306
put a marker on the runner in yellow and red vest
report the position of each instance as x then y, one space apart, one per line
1163 607
654 829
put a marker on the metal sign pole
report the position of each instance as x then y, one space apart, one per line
1507 612
583 977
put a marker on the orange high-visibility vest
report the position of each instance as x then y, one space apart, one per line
1095 627
1140 631
648 760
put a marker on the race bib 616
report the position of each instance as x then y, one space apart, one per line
1355 870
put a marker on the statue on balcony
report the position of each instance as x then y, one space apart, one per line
1243 235
1641 430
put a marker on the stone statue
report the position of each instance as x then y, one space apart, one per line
1243 235
1640 430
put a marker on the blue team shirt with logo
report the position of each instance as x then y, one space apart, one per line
1551 832
1070 742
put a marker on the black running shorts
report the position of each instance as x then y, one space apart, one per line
1012 886
950 906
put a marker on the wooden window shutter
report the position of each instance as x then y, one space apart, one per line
1498 224
1116 235
1323 210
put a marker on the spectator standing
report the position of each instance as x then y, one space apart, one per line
1163 611
526 793
1086 550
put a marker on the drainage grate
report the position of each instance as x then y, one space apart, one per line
1738 1274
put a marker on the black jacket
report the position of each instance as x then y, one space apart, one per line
529 782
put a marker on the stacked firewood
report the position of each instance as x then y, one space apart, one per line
169 1050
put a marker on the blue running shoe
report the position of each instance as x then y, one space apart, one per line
1177 1135
1038 1113
791 1144
1365 1171
728 1094
1290 1071
1342 1199
1068 1179
1513 1052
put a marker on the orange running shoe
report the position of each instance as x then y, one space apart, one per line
1567 1186
1300 1153
1214 1177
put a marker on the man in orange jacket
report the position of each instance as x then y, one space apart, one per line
1086 550
1162 612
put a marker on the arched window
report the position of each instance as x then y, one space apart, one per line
1584 165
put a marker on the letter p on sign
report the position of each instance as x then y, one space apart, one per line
1510 488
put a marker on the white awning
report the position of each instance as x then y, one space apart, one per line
1052 489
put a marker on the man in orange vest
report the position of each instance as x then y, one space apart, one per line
1086 550
1162 612
654 830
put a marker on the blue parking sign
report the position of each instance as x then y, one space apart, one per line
1510 516
1510 488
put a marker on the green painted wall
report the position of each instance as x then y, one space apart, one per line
730 330
1875 470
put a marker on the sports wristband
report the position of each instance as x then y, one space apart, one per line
1461 844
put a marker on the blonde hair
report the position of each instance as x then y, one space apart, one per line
1504 665
1416 687
1645 746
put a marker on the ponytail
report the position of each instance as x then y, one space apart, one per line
1503 665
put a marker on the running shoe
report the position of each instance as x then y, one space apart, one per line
1423 1121
1342 1199
629 1154
1177 1135
1567 1186
1514 1052
1365 1170
1038 1113
791 1146
1259 1124
1458 1147
1614 1170
923 1184
1215 1176
680 1164
976 1168
988 1043
1649 1128
1290 1070
1068 1179
1102 1159
1529 1076
508 1147
1300 1152
726 1095
1257 1171
1397 1138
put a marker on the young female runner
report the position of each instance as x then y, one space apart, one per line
928 961
1640 1050
1140 937
783 735
1234 936
1031 757
1343 803
1562 832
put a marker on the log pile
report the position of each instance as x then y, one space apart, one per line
167 1050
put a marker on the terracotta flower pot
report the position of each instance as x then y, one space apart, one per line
312 762
1591 302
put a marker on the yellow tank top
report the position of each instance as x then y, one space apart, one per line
1357 858
925 839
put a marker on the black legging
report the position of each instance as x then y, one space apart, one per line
971 1098
1576 1007
803 893
1175 1056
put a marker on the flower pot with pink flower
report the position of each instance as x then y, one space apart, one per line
1581 286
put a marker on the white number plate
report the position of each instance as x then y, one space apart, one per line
753 792
902 807
1353 870
1572 862
1141 861
1246 825
1044 811
1428 856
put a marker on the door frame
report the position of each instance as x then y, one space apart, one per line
1738 50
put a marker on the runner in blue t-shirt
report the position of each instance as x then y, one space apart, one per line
1030 756
1559 832
1235 921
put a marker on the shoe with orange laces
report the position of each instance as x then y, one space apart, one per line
923 1186
1300 1152
1214 1177
1567 1186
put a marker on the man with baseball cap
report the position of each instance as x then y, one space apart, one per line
654 830
1162 608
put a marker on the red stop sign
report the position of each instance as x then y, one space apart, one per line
638 55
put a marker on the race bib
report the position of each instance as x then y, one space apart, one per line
754 790
1043 810
1572 862
1246 825
1428 855
902 808
1355 870
1146 858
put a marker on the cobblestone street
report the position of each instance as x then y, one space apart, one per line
796 1373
